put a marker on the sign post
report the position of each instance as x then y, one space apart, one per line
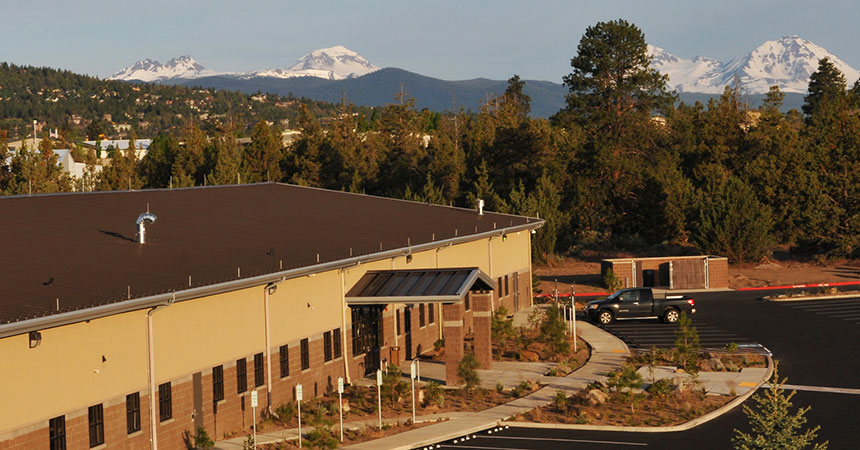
340 403
254 414
299 401
412 379
573 315
379 395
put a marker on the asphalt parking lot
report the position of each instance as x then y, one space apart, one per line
816 342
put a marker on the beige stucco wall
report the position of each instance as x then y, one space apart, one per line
66 372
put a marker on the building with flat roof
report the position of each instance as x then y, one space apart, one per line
127 318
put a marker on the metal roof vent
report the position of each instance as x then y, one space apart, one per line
480 207
142 220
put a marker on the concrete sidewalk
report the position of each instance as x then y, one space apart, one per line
607 354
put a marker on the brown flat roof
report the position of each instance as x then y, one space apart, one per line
80 250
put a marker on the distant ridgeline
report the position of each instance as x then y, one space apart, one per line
68 101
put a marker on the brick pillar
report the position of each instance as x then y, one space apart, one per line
482 326
452 332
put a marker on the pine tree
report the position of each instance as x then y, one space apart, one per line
262 158
228 159
774 425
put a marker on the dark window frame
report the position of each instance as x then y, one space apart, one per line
327 346
306 354
259 373
284 353
218 383
507 286
500 288
165 402
431 313
421 315
96 424
337 343
132 412
467 302
57 433
241 375
399 328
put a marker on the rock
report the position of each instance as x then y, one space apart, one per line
717 365
596 397
680 370
530 356
420 397
345 405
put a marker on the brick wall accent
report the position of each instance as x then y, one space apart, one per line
718 269
525 287
483 333
452 330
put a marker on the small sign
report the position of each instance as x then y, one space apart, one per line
253 399
299 392
379 378
412 370
340 385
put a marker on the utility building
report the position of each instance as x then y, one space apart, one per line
127 318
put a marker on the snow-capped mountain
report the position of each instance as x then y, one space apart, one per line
149 70
787 62
334 63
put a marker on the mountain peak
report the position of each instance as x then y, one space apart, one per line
787 62
339 61
148 70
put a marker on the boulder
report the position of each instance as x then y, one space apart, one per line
345 405
596 397
419 397
530 356
717 365
680 370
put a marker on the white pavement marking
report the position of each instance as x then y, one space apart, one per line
830 390
584 441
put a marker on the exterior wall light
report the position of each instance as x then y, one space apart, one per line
35 339
504 237
408 259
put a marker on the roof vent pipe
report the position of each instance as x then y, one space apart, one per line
480 207
142 220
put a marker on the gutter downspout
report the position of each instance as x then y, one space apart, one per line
499 288
150 349
439 249
269 289
343 327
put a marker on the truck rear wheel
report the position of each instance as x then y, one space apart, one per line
605 317
671 315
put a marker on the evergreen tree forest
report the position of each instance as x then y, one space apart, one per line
623 165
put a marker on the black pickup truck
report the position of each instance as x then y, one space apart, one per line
639 303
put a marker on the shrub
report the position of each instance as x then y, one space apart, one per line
560 401
625 377
434 394
553 332
321 437
438 344
286 410
199 441
731 347
687 347
611 281
393 386
500 387
467 372
662 388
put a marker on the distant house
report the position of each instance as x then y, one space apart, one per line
140 146
75 170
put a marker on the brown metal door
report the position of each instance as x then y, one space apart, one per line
688 274
197 414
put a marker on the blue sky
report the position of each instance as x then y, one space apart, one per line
445 39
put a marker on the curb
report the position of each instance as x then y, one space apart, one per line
674 428
809 297
798 286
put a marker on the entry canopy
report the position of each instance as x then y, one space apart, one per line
418 286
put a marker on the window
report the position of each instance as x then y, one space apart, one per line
500 288
241 376
96 415
367 328
132 412
259 378
306 355
431 312
507 286
397 315
327 345
218 383
285 361
421 315
337 343
165 403
467 302
57 433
